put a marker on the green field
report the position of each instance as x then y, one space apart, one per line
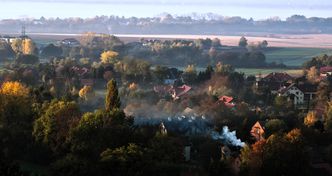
256 71
294 56
265 71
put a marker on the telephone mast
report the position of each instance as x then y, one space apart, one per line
23 32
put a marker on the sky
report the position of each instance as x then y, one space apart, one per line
257 9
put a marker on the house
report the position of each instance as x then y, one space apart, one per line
71 42
309 91
10 39
80 71
293 93
299 94
227 101
177 92
7 39
258 130
163 90
274 81
325 71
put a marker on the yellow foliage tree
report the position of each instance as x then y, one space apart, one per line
28 47
87 38
313 74
190 69
17 45
294 136
310 119
109 57
14 88
25 46
133 86
86 92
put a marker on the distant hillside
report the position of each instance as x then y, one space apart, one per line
167 24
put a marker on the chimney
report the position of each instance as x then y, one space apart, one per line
162 129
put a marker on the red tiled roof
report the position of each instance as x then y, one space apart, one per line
179 91
226 99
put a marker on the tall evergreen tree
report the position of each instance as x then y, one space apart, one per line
112 100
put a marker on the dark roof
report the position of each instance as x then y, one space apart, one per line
304 87
277 77
286 88
307 87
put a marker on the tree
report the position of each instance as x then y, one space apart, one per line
216 43
87 38
264 44
310 119
17 45
24 46
28 47
99 130
72 165
190 74
52 50
224 69
109 57
328 117
243 42
313 74
166 149
125 160
27 59
16 116
14 89
285 155
53 127
323 93
86 93
252 158
281 103
86 138
6 51
274 126
112 100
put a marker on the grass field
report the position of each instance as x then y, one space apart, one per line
265 71
294 56
256 71
292 50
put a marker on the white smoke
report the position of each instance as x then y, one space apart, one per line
228 137
192 125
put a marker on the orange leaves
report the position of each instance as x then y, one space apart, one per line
14 89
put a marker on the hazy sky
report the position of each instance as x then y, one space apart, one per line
258 9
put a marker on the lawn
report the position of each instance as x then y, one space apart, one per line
294 56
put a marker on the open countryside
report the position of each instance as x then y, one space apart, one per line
198 94
291 50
